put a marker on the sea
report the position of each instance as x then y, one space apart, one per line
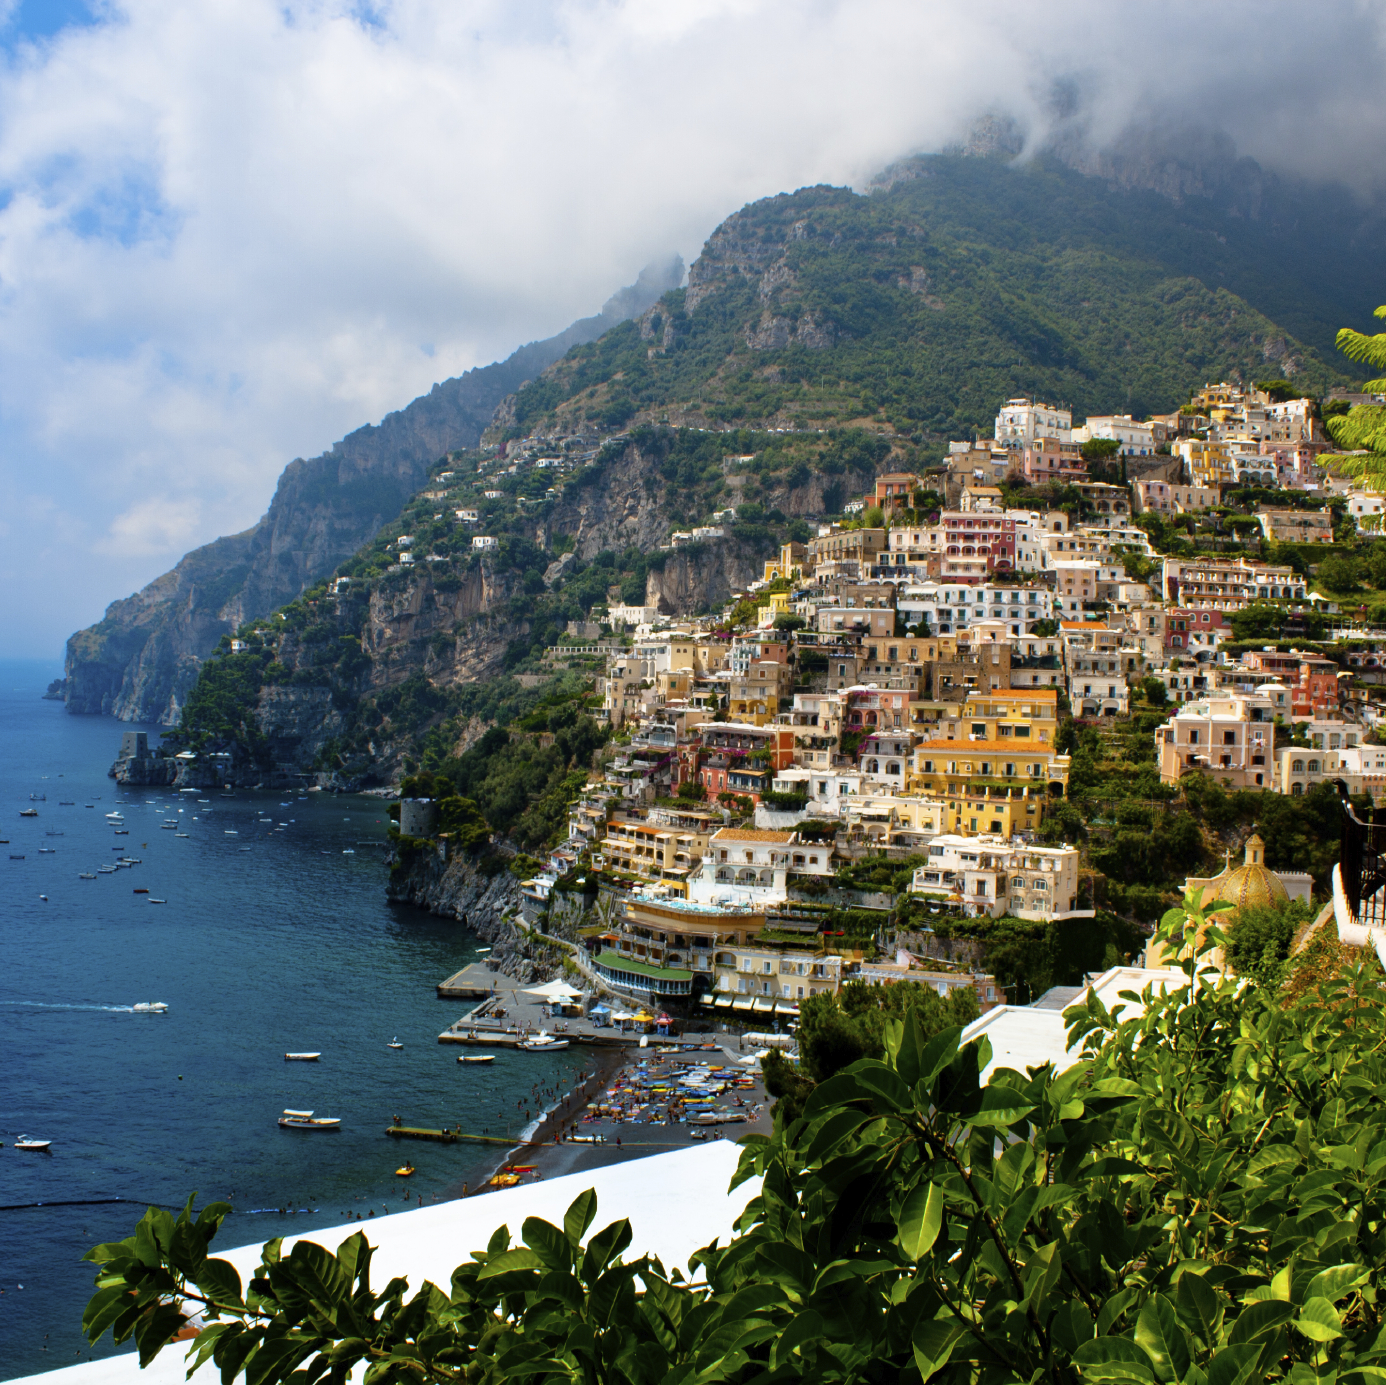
271 934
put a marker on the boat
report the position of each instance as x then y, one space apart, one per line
41 1146
394 1043
103 870
405 1172
150 1007
122 832
152 900
16 856
477 1058
306 1120
230 832
544 1045
115 817
168 827
180 834
139 889
28 812
349 851
86 875
302 1057
48 851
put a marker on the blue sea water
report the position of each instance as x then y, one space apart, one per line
271 940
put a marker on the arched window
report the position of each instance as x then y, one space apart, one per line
892 768
1297 766
1296 790
1313 766
1018 882
875 767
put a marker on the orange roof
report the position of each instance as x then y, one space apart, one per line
1018 694
746 834
1083 625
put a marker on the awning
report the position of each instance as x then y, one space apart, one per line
764 1004
554 990
786 1007
742 1002
723 1002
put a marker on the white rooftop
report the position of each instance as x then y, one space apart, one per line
1023 1036
676 1204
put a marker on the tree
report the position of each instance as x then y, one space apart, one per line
873 517
1338 574
1197 1199
1155 692
1363 427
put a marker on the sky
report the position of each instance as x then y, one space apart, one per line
234 230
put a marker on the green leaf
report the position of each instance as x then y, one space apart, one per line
218 1280
933 1341
1258 1319
920 1220
156 1329
521 1258
578 1218
1160 1333
1113 1358
1319 1321
1199 1306
803 1328
550 1244
1232 1365
1333 1283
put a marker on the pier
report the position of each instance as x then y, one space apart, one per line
474 982
445 1137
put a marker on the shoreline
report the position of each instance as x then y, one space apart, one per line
638 1137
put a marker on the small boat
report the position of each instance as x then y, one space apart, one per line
306 1120
48 851
86 875
152 900
230 832
140 889
150 1007
477 1058
168 827
349 851
115 817
122 832
394 1043
180 834
405 1172
24 1142
67 803
544 1045
302 1057
19 856
28 812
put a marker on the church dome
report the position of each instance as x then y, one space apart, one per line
1251 884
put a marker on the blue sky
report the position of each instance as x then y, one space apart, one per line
231 231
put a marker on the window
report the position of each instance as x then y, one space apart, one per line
1229 738
1193 737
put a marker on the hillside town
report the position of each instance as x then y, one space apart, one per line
907 685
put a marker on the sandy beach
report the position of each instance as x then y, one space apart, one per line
640 1088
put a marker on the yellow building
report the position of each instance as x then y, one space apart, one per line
656 853
1209 462
953 769
1010 715
788 565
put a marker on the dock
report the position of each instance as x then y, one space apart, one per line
474 982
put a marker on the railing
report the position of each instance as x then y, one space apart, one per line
1362 861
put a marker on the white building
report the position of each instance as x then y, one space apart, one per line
1022 422
751 866
950 607
485 541
1366 507
988 875
468 516
1134 439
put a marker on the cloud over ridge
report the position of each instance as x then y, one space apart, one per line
229 233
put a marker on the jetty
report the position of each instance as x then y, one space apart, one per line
444 1137
474 982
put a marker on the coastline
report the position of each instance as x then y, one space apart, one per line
625 1139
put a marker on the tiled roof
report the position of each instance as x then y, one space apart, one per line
746 834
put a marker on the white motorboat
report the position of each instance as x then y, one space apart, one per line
115 817
24 1142
477 1058
86 875
544 1043
306 1120
302 1057
151 1007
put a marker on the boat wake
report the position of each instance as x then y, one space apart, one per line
54 1005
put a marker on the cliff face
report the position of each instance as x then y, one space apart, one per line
693 580
141 660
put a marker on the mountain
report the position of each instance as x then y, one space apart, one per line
139 662
958 281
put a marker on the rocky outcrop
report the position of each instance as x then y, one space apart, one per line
703 576
56 691
141 660
485 896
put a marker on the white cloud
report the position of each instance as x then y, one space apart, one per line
231 232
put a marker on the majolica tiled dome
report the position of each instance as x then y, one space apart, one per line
1250 884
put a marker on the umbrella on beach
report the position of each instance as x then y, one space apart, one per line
554 990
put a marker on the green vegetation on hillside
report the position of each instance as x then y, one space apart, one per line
919 308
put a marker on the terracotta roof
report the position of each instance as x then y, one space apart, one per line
740 834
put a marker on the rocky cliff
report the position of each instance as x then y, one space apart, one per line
140 661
